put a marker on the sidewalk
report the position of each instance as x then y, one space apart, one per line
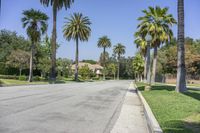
131 119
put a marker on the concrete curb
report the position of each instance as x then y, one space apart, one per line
152 123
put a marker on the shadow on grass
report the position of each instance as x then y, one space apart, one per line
158 87
180 126
193 94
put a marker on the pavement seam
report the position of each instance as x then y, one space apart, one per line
117 110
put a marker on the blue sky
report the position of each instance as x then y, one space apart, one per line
115 18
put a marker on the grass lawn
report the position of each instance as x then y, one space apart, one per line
176 113
18 82
11 82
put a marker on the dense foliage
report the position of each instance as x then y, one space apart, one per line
167 61
9 42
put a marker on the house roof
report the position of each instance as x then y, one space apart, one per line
91 66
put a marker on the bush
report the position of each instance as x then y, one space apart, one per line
9 77
1 82
22 78
36 78
59 77
85 72
109 78
96 78
42 79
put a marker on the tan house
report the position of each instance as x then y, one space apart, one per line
96 68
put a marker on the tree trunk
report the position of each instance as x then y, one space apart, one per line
154 64
31 64
20 71
114 76
145 68
76 67
181 71
104 63
53 45
148 65
118 67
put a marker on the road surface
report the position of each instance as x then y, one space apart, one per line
65 108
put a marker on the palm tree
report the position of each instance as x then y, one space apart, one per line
142 45
119 50
157 22
181 71
104 42
77 28
56 5
35 23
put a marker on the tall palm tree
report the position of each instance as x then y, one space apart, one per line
142 45
77 28
104 42
56 5
181 71
157 22
119 50
35 23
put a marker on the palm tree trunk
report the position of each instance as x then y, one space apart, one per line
118 67
148 65
181 71
104 63
31 64
145 68
76 67
53 44
154 64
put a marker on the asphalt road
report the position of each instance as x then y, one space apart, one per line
66 108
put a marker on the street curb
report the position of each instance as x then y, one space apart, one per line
152 123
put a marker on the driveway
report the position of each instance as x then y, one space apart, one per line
65 108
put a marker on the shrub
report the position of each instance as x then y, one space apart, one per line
1 82
22 78
96 78
36 78
59 77
109 78
42 79
85 72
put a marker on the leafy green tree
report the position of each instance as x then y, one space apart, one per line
35 23
119 50
157 22
168 59
64 67
77 28
56 6
18 59
181 72
104 42
112 69
44 64
85 72
10 41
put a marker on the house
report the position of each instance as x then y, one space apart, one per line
96 68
